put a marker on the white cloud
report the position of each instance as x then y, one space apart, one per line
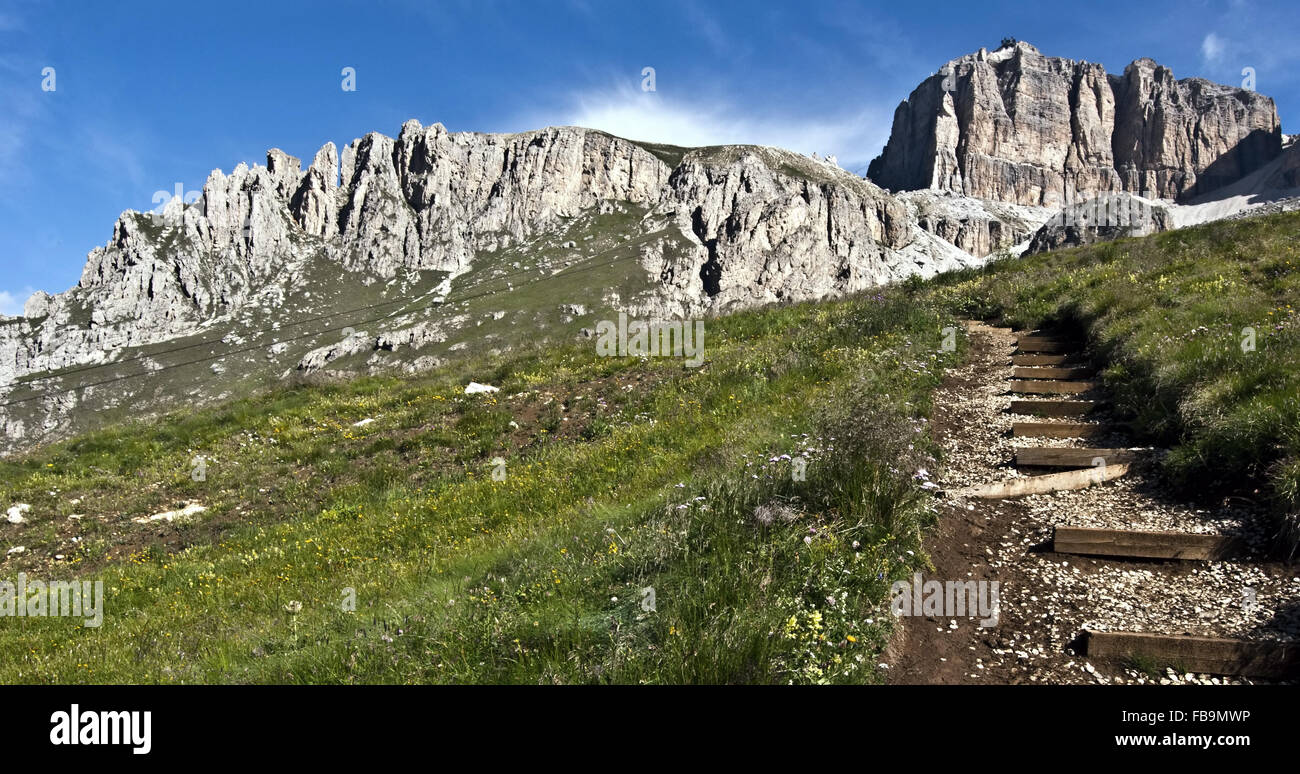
1213 48
12 304
854 137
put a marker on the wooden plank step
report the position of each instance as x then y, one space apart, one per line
1053 408
1048 387
1040 344
1054 482
1050 457
1055 429
1135 544
1209 655
1040 360
1040 372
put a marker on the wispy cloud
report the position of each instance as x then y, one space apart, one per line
12 304
1213 48
1260 37
854 137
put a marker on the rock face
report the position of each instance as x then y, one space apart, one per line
769 225
430 199
1102 218
1273 187
750 225
1278 179
707 230
234 274
424 201
979 227
762 225
1016 126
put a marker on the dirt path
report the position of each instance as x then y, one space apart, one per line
1048 599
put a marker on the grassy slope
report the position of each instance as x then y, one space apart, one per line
1169 314
327 295
540 577
621 475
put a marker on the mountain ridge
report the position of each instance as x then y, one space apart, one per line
436 227
428 214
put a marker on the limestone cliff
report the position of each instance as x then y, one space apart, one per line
1016 126
252 278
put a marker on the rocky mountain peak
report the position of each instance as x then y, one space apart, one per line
1014 125
428 224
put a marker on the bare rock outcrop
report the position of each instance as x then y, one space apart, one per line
427 200
465 191
763 225
1102 218
718 229
979 227
1016 126
737 226
984 152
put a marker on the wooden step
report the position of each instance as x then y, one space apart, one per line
1059 457
1041 344
1054 482
1040 372
1041 360
1209 655
1055 429
1053 408
1048 387
1134 544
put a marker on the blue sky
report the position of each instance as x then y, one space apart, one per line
149 95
